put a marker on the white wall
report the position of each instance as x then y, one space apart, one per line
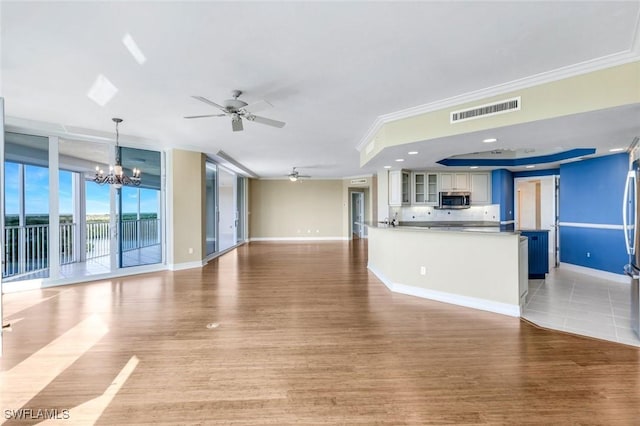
473 269
383 194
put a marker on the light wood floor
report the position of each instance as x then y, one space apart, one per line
305 335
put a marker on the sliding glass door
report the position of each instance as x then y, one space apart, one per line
140 236
26 207
98 228
227 208
240 209
211 208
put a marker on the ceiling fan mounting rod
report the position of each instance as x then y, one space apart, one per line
236 94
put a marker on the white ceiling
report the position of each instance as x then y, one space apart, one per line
329 69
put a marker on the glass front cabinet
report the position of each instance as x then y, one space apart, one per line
425 188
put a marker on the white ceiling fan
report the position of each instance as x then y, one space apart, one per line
237 110
295 175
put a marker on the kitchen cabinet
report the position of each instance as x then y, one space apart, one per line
538 252
432 188
480 188
425 188
399 187
454 181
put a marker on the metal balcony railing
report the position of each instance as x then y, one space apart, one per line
26 247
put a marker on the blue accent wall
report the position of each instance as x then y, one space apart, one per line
502 192
591 193
605 247
591 190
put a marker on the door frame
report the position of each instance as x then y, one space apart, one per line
554 229
2 324
361 195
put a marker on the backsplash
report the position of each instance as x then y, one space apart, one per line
489 213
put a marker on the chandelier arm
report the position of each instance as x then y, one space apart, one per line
116 175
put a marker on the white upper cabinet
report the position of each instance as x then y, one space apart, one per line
399 187
454 181
480 188
422 187
425 188
432 188
419 188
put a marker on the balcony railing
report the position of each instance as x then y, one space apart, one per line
140 233
98 239
26 247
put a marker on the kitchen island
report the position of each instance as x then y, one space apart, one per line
480 267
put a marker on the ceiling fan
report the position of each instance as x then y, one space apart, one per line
295 175
237 110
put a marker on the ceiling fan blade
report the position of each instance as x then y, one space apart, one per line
207 101
236 124
203 116
267 121
257 106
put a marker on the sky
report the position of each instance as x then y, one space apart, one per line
37 193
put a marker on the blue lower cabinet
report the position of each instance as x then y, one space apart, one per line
538 252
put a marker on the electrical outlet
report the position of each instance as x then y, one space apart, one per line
190 250
588 254
423 270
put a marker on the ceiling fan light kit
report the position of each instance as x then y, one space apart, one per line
237 109
294 176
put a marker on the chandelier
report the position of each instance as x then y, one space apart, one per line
116 174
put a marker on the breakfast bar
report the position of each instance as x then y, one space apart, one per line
480 267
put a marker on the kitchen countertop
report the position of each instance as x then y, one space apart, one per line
483 227
449 223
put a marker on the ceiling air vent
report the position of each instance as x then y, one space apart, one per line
500 107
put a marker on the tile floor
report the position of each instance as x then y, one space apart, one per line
582 304
98 265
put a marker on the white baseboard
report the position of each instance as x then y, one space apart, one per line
39 283
299 239
620 278
454 299
186 265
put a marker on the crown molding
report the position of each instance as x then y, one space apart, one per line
42 128
597 64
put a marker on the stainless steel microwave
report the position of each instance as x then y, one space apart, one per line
455 200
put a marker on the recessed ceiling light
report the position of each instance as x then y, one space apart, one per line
473 167
529 167
489 140
399 160
412 152
387 167
616 149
